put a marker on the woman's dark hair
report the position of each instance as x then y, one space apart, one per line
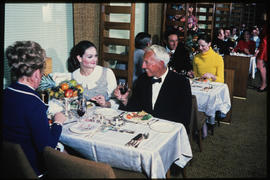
204 37
78 49
24 57
142 39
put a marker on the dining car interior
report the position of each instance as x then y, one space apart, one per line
134 89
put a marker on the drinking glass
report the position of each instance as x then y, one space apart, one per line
123 87
81 109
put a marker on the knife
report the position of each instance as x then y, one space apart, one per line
137 137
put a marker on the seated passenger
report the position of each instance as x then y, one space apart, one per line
208 64
218 44
245 45
142 40
159 91
180 61
229 43
98 82
24 115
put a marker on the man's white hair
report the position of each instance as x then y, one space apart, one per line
160 53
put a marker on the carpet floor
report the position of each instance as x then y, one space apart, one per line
236 150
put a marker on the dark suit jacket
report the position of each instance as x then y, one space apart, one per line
173 103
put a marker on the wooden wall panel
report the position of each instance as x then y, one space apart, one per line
155 14
86 22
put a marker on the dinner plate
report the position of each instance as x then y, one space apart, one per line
136 119
163 127
82 128
107 112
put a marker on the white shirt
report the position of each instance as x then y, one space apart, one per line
156 88
91 81
170 51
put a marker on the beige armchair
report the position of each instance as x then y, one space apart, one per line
63 165
14 162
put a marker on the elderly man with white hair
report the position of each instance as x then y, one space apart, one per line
159 91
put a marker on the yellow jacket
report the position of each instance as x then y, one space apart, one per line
209 62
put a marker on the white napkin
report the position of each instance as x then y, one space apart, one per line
59 77
54 107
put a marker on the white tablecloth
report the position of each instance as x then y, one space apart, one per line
154 155
252 66
211 100
252 63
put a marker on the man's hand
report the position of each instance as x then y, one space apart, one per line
121 97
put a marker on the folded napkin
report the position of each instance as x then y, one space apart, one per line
54 107
59 77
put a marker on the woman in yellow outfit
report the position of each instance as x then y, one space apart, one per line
208 64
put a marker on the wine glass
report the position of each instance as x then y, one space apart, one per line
81 109
123 87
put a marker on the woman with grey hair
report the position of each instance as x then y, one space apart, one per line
24 114
159 91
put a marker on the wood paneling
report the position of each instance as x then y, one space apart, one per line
86 22
155 21
241 67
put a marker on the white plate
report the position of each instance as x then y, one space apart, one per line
82 128
136 119
163 127
107 112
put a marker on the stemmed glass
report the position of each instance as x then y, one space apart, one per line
123 87
81 108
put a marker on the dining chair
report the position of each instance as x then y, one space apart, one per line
63 165
229 80
15 163
48 65
198 119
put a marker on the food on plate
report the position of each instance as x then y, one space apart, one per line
142 115
89 104
201 79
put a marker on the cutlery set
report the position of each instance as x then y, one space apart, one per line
135 142
152 122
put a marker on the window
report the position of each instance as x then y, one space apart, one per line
49 24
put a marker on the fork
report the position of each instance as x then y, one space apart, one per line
134 140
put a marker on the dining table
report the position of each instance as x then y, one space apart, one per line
211 97
104 135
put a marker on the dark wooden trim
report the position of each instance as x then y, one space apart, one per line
113 56
116 25
118 9
115 41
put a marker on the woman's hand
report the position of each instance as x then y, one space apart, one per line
59 118
101 101
246 51
121 97
209 76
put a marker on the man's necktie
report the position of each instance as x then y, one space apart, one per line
156 80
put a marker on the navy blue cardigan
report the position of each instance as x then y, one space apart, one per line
25 122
